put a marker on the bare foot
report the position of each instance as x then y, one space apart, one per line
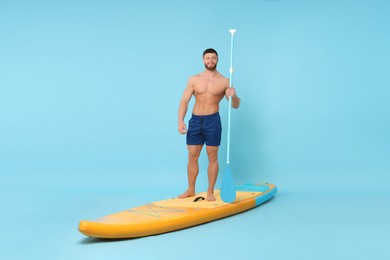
210 197
187 194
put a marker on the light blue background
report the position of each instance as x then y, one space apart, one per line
89 92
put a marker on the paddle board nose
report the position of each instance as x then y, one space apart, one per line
82 227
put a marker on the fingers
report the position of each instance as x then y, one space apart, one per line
230 91
182 129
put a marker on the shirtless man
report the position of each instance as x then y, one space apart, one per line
208 87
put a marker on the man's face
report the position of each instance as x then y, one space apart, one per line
210 61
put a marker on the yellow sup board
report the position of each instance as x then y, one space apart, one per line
174 214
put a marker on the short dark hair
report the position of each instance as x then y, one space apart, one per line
210 50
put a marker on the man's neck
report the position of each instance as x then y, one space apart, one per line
210 73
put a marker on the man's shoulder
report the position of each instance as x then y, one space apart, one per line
198 75
195 78
223 79
220 76
201 75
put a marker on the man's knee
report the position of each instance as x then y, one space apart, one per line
194 152
212 153
193 156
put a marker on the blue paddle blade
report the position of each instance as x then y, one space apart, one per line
228 190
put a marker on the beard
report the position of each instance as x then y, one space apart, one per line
211 68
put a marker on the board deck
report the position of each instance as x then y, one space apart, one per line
174 214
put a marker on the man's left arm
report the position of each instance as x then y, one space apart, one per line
231 92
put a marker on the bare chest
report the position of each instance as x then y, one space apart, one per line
214 87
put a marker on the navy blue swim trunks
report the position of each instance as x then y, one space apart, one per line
204 129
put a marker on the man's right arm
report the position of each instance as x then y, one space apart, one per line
189 90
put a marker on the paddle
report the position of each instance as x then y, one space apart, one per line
228 190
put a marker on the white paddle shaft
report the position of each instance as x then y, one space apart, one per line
231 70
